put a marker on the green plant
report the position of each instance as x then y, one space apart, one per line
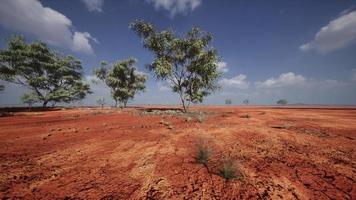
101 102
123 79
282 102
245 116
49 76
188 62
201 117
246 101
228 170
228 101
203 153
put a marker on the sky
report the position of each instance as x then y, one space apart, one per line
302 51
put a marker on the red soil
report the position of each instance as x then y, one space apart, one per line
292 153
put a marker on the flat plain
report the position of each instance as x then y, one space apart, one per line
149 153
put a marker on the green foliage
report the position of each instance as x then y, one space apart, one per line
188 62
122 79
29 99
282 102
228 101
50 76
203 153
228 170
246 101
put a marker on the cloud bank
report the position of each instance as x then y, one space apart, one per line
44 23
337 34
94 5
176 6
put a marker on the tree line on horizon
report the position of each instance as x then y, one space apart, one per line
187 62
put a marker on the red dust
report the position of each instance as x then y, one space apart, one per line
135 153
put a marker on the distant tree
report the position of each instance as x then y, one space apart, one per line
282 102
189 63
101 102
50 76
29 99
228 101
246 101
123 80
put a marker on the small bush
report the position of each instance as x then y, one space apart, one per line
228 170
203 156
247 116
203 152
201 117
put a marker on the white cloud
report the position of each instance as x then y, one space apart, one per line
222 67
286 79
163 86
238 81
175 6
94 5
49 25
338 33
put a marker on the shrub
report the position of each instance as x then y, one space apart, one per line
203 153
245 116
229 171
228 101
201 117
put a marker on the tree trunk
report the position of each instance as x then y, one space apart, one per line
115 103
44 104
125 103
183 103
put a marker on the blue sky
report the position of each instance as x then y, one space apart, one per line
304 51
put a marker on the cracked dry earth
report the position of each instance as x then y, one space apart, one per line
87 153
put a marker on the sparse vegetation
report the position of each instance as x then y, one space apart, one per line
228 101
189 63
203 152
246 101
29 99
201 117
282 102
247 116
50 76
101 102
123 80
229 171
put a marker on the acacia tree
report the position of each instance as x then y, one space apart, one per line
282 102
123 80
189 63
101 102
29 99
50 76
246 101
228 101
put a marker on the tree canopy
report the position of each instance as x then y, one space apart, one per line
282 102
123 80
51 77
189 63
246 101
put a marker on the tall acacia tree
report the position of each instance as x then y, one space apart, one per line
50 76
189 63
123 80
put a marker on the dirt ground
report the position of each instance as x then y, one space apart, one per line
88 153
